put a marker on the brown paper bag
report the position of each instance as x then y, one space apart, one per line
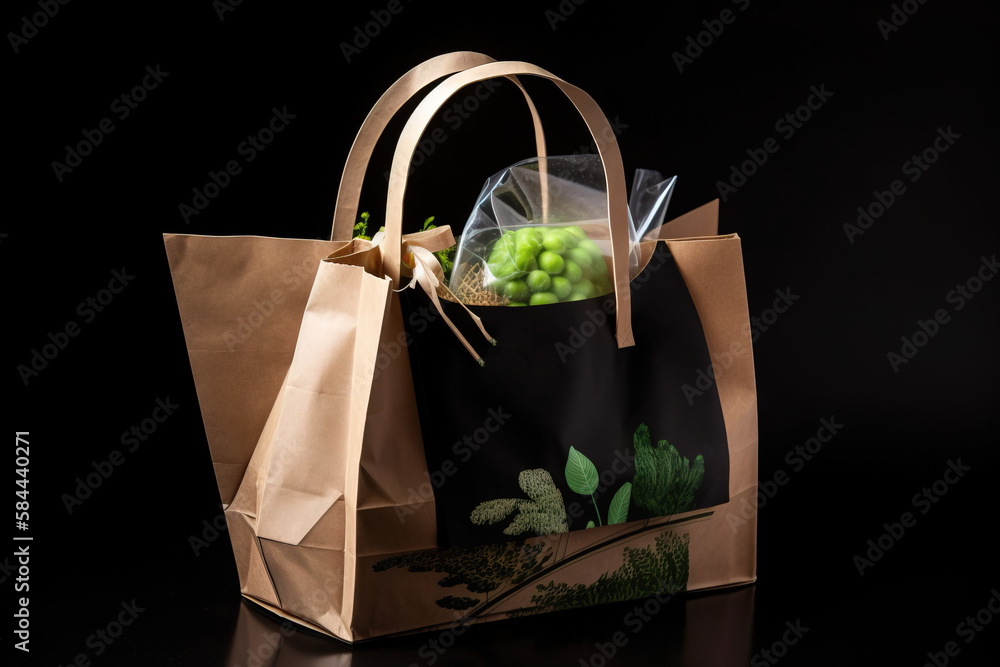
299 354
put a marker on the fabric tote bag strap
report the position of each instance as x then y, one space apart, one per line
600 130
408 85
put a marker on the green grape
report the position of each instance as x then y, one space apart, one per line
561 287
592 248
532 234
498 254
582 259
600 268
516 290
528 241
550 262
602 286
577 232
501 253
523 257
508 243
569 238
543 298
496 267
572 271
554 242
506 269
516 303
585 287
538 281
499 285
577 295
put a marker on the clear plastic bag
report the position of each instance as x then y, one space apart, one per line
538 233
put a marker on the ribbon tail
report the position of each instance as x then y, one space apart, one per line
475 318
425 275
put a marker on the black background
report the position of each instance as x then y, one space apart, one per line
825 358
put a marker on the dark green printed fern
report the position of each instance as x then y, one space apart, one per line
452 602
665 481
661 567
481 570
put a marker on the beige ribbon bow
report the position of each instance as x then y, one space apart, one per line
428 274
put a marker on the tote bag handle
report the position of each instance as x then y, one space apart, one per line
408 85
600 130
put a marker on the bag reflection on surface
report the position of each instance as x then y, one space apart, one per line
690 629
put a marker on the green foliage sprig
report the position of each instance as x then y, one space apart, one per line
361 227
445 257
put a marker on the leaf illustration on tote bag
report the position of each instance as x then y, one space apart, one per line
543 514
581 473
665 481
618 512
581 476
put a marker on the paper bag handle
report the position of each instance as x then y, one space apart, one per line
607 147
408 85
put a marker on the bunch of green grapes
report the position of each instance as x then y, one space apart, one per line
540 265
